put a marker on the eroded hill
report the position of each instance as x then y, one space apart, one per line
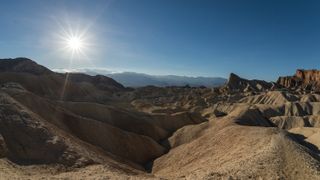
66 126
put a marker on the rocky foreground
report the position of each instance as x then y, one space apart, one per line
76 126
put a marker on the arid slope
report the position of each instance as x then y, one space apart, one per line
67 126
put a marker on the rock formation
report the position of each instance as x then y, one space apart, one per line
66 126
303 79
238 84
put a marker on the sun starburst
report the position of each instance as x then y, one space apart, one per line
75 43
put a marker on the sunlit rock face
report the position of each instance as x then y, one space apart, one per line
308 75
303 79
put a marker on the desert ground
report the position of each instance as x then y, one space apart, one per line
76 126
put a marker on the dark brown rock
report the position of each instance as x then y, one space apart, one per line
238 84
3 147
99 81
23 65
44 82
26 138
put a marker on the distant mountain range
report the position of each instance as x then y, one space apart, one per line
133 79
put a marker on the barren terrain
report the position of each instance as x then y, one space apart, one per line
76 126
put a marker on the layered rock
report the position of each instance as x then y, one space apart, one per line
308 76
303 79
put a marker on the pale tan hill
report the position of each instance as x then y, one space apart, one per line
270 97
310 98
174 121
227 150
309 136
288 122
188 133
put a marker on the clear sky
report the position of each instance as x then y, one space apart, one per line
255 39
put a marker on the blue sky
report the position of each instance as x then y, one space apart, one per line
255 39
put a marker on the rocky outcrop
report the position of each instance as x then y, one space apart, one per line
308 76
238 84
303 79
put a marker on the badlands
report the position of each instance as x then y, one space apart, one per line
77 126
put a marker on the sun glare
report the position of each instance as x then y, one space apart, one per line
74 40
74 43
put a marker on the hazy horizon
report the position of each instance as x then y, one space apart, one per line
254 39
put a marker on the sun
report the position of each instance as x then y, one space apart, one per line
74 40
75 43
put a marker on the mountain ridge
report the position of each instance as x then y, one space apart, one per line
134 79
